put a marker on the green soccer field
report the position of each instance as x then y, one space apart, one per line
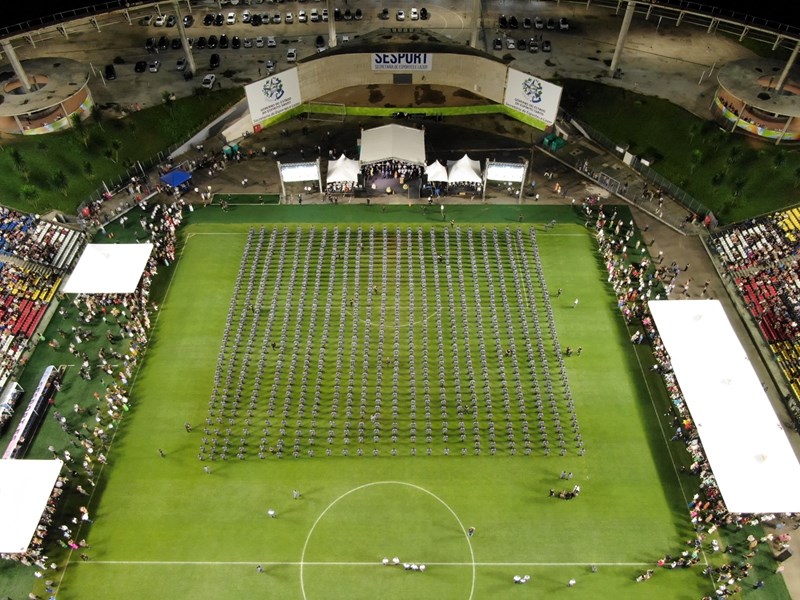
401 373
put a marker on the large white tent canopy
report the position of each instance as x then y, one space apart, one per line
436 171
393 142
743 439
343 170
25 488
109 269
464 170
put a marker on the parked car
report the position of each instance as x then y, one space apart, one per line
510 44
384 14
401 15
276 18
315 15
219 20
521 45
208 20
146 21
247 43
231 20
497 44
209 81
256 20
513 23
163 42
302 17
551 23
111 72
563 24
236 43
502 22
271 43
176 43
348 15
223 41
180 64
212 42
160 20
546 47
140 66
319 43
154 66
214 61
538 23
527 23
172 21
291 55
424 14
246 16
150 44
200 43
269 66
358 14
414 14
188 21
337 14
289 18
324 15
259 42
533 46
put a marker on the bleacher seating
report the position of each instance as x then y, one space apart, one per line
761 256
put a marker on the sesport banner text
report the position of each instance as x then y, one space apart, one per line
532 96
401 61
274 95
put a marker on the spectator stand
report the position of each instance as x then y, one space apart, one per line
8 400
34 414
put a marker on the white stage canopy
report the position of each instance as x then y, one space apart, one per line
752 460
109 269
292 172
436 171
25 488
393 142
511 172
343 169
464 169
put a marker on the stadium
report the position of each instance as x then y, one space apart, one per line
381 327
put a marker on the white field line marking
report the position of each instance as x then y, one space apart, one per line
156 563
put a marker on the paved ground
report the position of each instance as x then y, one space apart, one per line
674 63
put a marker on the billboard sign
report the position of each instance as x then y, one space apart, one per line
273 95
533 97
401 61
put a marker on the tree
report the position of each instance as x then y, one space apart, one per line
80 129
779 159
88 169
115 146
19 163
29 194
60 182
97 115
696 159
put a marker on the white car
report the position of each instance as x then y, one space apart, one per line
269 66
231 20
325 15
401 15
209 80
246 16
271 43
259 42
414 14
511 44
155 66
291 55
160 21
314 15
345 38
289 18
301 16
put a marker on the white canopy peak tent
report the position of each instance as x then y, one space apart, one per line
436 172
464 170
343 170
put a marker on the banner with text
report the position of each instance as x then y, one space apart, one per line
401 61
532 96
274 95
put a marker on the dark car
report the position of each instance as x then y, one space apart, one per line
502 22
176 43
213 62
320 42
255 20
150 44
358 15
527 23
521 45
200 43
533 46
546 47
163 42
348 15
219 20
223 41
236 43
513 23
212 42
337 14
140 66
208 20
551 23
188 21
497 44
424 14
111 72
384 14
172 21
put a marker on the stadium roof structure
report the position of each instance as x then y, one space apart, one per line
754 464
464 169
25 488
109 269
393 142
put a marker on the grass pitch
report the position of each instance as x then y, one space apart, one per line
166 529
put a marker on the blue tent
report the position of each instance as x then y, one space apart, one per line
176 178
